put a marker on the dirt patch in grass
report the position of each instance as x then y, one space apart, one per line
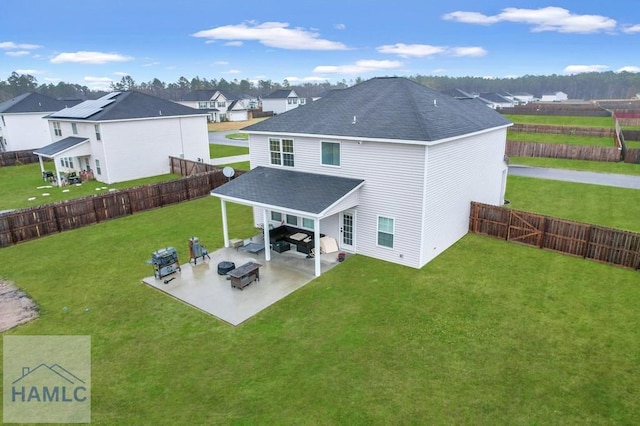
15 307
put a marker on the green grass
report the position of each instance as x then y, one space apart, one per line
243 136
633 144
19 183
582 165
488 333
597 204
559 139
553 120
219 151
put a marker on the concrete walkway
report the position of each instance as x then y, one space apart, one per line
229 160
606 179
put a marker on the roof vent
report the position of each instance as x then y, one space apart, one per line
160 112
355 119
435 103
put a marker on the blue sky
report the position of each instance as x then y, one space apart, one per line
95 42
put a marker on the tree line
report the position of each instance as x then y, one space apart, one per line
587 86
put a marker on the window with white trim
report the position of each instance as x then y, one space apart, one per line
281 152
98 135
57 130
74 128
385 231
222 104
331 153
307 223
202 104
292 220
98 170
276 216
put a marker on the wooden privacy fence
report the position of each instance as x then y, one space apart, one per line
563 130
184 167
12 158
573 152
36 222
632 156
602 244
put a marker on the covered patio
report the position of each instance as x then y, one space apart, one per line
309 195
73 147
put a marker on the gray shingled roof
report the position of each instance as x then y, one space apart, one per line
60 146
35 102
199 95
130 105
279 94
289 189
386 108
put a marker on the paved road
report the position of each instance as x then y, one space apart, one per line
221 139
607 179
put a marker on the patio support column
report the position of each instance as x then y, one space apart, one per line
265 231
225 227
41 164
58 177
316 246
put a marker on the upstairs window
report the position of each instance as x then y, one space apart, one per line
202 104
57 130
331 153
74 128
98 135
281 152
222 104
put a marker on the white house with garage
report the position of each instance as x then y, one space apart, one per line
124 136
554 97
219 105
21 123
393 183
282 100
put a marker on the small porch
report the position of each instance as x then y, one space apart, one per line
62 153
311 196
202 287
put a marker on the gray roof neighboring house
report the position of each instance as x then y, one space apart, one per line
495 98
60 146
124 106
35 102
289 189
280 94
388 108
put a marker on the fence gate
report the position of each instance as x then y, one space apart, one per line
525 228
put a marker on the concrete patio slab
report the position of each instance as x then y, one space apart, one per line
200 285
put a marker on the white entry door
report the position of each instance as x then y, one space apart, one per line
347 230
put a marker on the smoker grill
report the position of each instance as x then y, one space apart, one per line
165 262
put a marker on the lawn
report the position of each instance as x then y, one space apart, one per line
19 183
602 205
582 165
488 333
555 120
219 151
559 139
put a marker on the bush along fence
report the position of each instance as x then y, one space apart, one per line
571 152
606 245
14 158
35 222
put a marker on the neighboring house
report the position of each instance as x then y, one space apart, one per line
21 123
459 94
496 101
281 101
220 106
124 136
524 97
387 167
553 97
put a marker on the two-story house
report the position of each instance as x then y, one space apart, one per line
220 106
124 136
21 123
387 167
282 100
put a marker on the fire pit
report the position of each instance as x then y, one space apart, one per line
225 267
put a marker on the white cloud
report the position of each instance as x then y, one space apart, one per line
52 79
362 66
544 19
577 69
23 46
629 68
30 72
340 26
234 43
272 34
467 51
232 72
151 64
84 57
121 73
632 29
306 79
407 50
18 53
439 71
98 83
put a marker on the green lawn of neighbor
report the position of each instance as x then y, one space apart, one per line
489 332
582 165
560 139
219 151
597 204
240 135
562 120
19 183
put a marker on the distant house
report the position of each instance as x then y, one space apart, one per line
220 106
523 97
553 97
496 101
281 101
124 136
21 123
393 183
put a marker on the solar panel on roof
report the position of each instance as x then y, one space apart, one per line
84 109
